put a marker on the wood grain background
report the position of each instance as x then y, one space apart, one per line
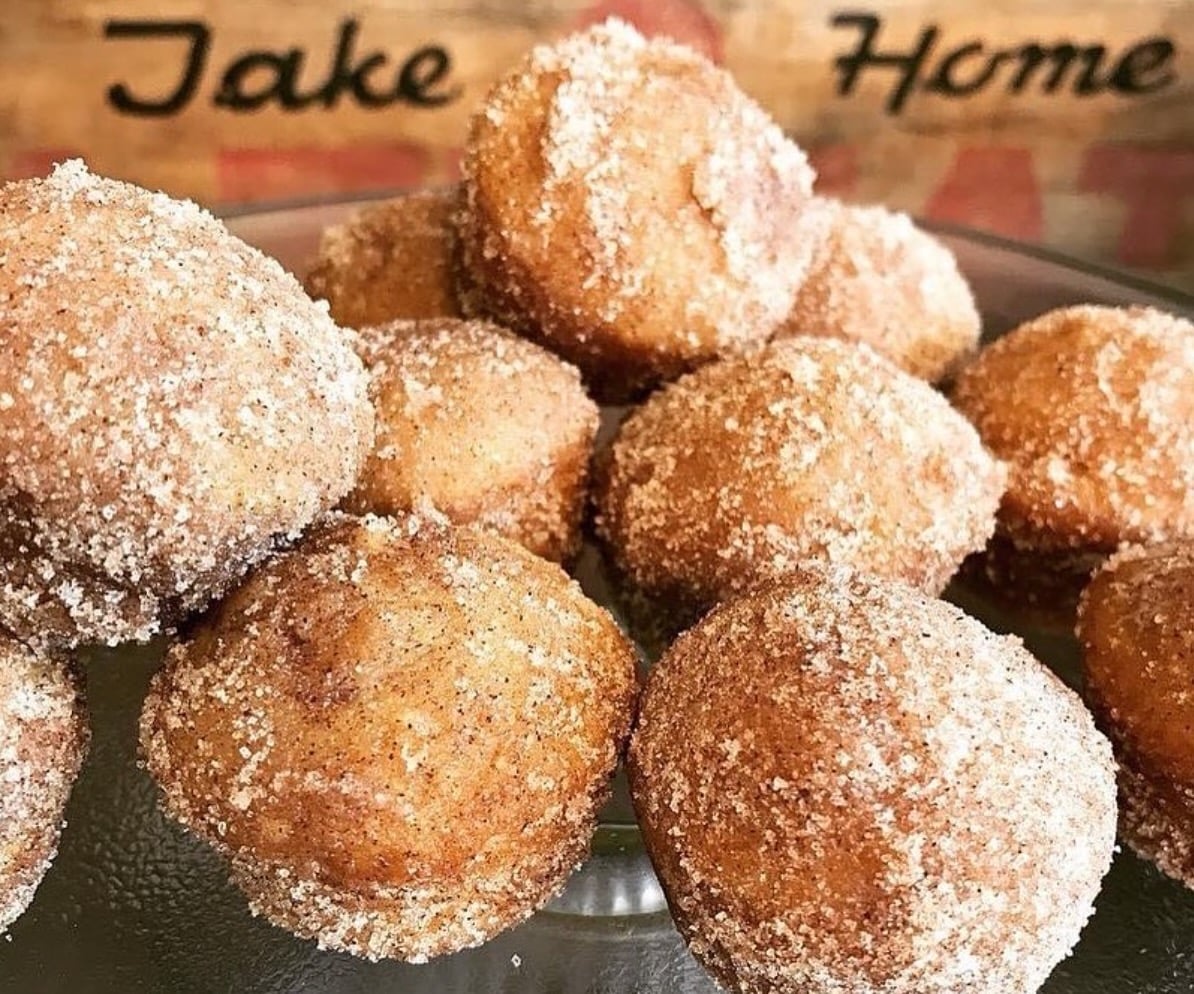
1105 175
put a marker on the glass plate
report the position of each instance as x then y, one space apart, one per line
134 905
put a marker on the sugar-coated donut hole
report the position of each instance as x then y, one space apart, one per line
399 733
813 448
847 785
1137 639
486 427
1092 408
173 406
389 261
878 278
627 205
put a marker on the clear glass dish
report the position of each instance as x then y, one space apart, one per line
134 905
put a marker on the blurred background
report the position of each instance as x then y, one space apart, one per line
1068 123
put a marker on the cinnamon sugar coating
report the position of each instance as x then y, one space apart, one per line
627 205
390 260
399 733
489 428
878 278
43 739
849 787
171 404
1137 638
1093 410
813 448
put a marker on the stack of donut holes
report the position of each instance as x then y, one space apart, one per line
393 711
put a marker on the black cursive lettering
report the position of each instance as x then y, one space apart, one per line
945 80
1061 58
425 68
931 66
199 37
1142 60
343 76
276 72
908 64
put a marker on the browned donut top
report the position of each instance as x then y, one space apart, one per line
389 260
487 427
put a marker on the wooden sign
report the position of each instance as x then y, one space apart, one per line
1070 123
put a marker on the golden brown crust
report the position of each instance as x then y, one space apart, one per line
172 404
43 739
879 279
849 787
488 428
1138 653
399 732
1093 409
627 205
390 261
812 448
